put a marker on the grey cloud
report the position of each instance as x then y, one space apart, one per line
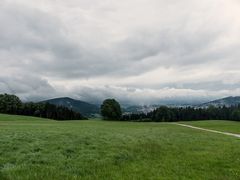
165 95
79 40
38 32
209 86
29 88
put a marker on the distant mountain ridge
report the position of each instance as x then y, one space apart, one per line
228 101
91 110
82 107
139 109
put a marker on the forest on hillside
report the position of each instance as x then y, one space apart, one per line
11 104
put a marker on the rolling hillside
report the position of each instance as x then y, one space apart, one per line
228 101
84 108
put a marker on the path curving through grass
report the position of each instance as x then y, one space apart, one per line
208 130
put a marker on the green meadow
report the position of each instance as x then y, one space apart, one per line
226 126
34 148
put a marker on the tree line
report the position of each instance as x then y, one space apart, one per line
11 104
111 110
170 114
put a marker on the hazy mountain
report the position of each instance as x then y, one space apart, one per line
84 108
88 109
149 108
228 101
139 109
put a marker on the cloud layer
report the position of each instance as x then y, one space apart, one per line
139 51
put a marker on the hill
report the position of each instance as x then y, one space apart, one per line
82 107
228 101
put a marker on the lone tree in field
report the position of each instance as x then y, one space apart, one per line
10 104
111 110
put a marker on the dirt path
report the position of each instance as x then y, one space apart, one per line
208 130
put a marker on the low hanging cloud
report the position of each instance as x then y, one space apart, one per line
22 85
145 51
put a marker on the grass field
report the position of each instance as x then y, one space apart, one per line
32 148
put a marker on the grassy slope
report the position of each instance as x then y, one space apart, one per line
228 126
42 149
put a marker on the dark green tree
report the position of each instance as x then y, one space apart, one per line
235 115
9 104
163 114
111 110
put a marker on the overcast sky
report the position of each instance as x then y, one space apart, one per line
138 51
